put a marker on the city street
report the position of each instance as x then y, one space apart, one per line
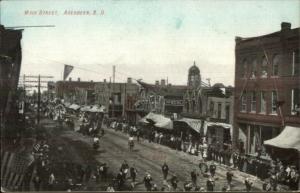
149 157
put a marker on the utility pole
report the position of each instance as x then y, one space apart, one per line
39 82
113 90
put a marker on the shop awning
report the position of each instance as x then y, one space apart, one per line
85 108
159 120
74 107
289 138
97 109
209 124
195 124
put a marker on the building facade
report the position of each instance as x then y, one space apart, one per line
117 97
267 83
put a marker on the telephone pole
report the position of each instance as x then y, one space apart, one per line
113 94
39 82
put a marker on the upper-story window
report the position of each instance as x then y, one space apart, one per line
264 68
219 110
295 102
244 68
254 69
253 101
243 106
296 63
275 65
263 103
274 102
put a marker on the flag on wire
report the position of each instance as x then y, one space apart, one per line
67 70
13 168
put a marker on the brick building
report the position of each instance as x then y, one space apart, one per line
79 92
267 83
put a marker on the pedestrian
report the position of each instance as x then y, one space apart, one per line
147 181
103 171
210 183
120 180
212 169
81 173
110 188
174 181
88 173
124 169
229 176
274 181
165 170
133 173
37 183
248 184
203 167
51 182
194 177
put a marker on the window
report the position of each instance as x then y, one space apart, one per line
275 65
244 69
263 103
253 102
253 69
211 107
296 63
219 110
264 68
274 102
244 102
295 102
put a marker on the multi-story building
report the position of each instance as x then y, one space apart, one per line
10 65
267 84
118 97
208 110
79 92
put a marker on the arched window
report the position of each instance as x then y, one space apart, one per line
187 106
275 65
193 105
264 68
254 69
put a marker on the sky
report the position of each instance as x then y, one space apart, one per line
148 40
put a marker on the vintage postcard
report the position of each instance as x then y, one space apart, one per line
132 95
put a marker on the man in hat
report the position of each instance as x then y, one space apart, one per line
124 168
212 169
194 177
174 181
165 170
147 181
210 183
133 173
248 184
229 175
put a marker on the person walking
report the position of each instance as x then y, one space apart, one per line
248 184
229 176
88 173
210 184
133 173
51 182
165 170
212 169
174 182
194 177
147 181
37 183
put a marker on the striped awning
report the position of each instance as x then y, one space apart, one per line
195 124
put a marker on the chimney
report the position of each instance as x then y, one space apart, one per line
129 80
238 39
104 80
92 81
70 79
156 83
163 82
285 26
78 79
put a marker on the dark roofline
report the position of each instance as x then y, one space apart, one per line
274 34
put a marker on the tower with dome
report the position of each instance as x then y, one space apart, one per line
194 77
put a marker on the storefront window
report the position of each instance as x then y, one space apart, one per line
253 70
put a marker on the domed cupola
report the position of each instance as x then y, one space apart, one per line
194 77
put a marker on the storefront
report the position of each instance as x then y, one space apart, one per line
218 133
